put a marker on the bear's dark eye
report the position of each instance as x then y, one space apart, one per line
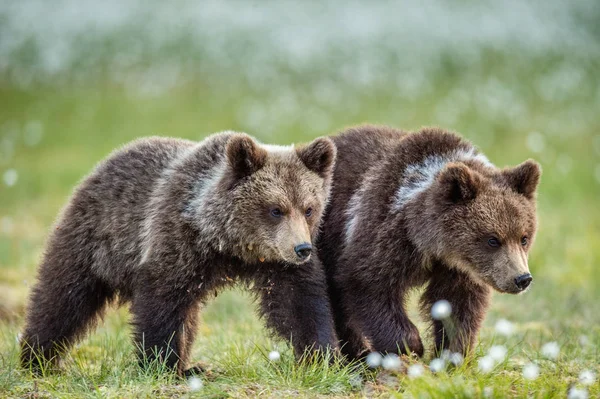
493 242
276 213
308 212
524 241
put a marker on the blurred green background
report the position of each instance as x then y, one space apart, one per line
519 79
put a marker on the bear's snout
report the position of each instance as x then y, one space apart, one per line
303 250
523 281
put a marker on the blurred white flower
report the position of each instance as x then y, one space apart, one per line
531 371
584 340
33 132
536 142
391 361
274 356
564 163
441 310
445 354
596 141
488 392
497 352
550 350
10 177
374 359
195 383
505 327
456 358
587 377
577 393
437 365
6 225
415 371
485 364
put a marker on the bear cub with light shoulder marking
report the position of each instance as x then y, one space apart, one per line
164 223
423 208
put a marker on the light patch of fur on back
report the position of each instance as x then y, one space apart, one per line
352 214
419 177
205 185
275 149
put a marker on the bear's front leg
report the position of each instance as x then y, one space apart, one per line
295 304
469 301
164 326
376 312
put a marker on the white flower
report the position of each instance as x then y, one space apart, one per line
587 377
577 393
445 354
274 356
485 364
531 371
437 365
391 361
550 350
505 327
536 142
10 177
497 352
456 358
441 310
6 225
195 383
415 371
374 359
33 133
488 392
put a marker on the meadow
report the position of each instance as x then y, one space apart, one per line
72 91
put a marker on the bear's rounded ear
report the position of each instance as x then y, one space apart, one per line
524 178
244 155
459 184
318 156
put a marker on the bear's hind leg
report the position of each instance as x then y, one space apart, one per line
64 304
164 327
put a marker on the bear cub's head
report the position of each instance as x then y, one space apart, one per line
485 221
275 198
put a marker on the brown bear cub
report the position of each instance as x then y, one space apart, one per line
165 223
424 208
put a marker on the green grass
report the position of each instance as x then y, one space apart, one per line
83 121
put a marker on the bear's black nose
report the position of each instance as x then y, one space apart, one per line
523 281
303 250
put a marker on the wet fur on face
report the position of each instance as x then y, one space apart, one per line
414 209
164 224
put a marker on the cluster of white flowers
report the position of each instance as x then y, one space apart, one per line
441 310
415 371
274 356
496 354
195 383
577 393
391 362
505 327
550 350
531 371
10 177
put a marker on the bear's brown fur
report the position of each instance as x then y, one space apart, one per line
163 223
409 209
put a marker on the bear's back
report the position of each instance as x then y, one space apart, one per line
359 149
107 210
